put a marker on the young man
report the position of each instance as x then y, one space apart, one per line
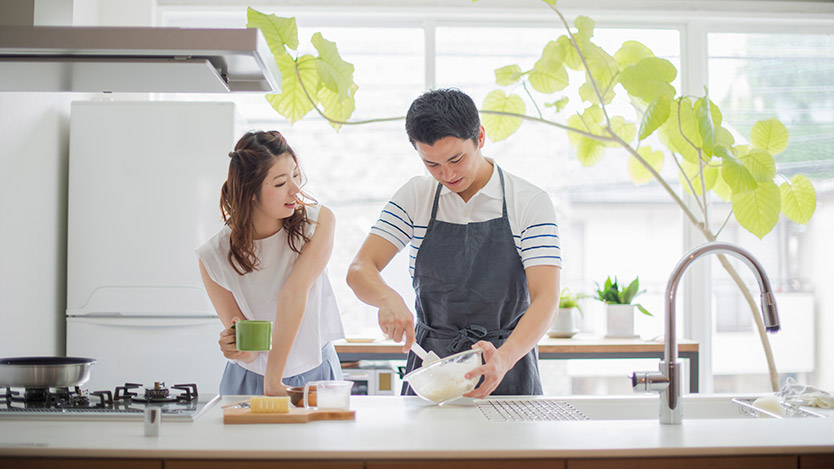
484 248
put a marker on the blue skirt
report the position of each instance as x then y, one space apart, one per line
237 380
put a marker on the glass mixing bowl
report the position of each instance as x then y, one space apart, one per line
443 381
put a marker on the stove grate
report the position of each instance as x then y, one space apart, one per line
527 410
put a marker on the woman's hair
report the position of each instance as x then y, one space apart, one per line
253 156
445 112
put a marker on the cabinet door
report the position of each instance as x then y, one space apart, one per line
816 461
469 464
256 464
67 463
730 462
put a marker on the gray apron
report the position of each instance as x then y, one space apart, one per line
470 285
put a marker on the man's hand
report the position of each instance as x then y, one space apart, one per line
494 368
396 321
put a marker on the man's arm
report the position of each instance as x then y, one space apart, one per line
365 279
543 283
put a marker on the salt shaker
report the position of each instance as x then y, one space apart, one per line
153 420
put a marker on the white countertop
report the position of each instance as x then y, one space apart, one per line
410 428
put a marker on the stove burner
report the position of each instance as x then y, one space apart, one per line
64 398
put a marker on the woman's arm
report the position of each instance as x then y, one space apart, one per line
229 312
292 300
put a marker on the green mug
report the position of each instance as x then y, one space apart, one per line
252 335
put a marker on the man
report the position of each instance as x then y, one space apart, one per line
484 248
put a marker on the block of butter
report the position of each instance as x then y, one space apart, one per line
269 404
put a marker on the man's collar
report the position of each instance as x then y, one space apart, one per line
491 189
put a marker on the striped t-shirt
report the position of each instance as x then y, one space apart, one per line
405 217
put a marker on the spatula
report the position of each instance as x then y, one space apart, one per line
427 357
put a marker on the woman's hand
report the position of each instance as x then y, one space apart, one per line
495 366
274 387
229 347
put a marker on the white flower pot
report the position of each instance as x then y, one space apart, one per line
620 320
564 326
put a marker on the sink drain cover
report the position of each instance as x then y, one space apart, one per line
528 410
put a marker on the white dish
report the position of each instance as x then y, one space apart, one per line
561 334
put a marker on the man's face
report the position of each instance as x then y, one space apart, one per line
456 163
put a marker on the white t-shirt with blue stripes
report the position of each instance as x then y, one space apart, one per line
405 217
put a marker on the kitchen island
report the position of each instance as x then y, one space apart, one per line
403 431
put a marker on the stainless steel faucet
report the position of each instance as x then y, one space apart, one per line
668 380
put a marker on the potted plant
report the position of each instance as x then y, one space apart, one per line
565 326
619 310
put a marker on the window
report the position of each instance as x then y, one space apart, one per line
607 226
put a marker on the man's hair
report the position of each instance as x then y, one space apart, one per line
441 113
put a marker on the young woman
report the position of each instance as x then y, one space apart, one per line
268 263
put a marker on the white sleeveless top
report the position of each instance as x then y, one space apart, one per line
257 292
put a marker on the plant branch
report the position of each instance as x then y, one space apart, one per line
601 138
726 220
688 182
336 121
532 99
584 63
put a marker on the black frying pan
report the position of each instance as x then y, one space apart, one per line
44 372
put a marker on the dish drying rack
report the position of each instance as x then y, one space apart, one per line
747 408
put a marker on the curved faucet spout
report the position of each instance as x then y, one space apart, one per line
667 382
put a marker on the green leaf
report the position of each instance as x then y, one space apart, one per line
549 2
630 53
757 211
655 115
334 72
705 127
799 199
638 172
559 104
499 127
588 151
630 292
723 136
737 177
624 130
292 103
335 107
770 135
760 163
277 31
548 76
680 131
584 28
721 189
507 75
572 59
649 78
693 173
601 66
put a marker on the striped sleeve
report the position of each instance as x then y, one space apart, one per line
539 242
395 225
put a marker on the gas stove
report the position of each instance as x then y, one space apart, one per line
128 402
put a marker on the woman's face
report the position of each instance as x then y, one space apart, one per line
279 190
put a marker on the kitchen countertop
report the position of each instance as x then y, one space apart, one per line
409 428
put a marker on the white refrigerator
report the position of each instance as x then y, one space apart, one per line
144 185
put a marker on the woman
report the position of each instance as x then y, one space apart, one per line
268 263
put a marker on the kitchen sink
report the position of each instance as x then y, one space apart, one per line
641 407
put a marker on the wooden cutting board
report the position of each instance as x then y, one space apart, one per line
235 415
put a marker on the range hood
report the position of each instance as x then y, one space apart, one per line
135 59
